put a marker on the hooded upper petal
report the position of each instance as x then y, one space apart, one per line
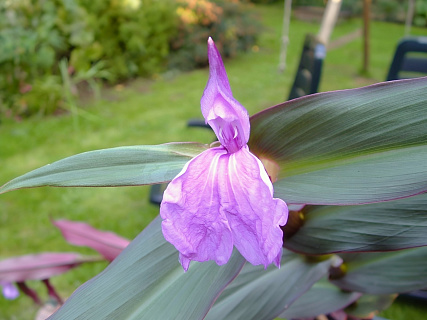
227 117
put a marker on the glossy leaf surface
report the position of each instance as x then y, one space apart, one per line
347 147
263 294
123 166
146 281
381 226
369 305
385 272
322 298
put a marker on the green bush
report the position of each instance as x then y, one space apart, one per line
131 38
30 42
420 15
231 24
110 40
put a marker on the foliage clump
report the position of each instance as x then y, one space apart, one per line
230 23
51 48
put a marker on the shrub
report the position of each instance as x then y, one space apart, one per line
30 42
420 15
131 38
127 38
231 23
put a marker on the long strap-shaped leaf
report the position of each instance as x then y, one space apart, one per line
368 305
123 166
107 243
385 272
263 294
40 266
322 298
348 147
146 281
384 226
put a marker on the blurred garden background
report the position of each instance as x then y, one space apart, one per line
80 75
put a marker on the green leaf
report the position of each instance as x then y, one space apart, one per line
323 298
385 272
263 294
368 305
347 147
123 166
384 226
146 281
378 177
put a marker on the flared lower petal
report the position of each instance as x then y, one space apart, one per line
220 199
253 214
191 211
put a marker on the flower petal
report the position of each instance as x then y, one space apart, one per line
191 211
252 213
227 117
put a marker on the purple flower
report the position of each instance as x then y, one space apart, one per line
9 291
223 197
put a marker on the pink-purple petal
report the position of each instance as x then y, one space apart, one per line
227 117
217 69
10 292
192 219
254 215
221 199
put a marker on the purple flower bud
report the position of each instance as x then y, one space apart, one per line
9 290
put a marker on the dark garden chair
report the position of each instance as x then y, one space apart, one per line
306 82
309 70
410 59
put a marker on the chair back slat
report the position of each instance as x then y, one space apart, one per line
410 59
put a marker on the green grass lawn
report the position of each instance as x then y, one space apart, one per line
151 112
